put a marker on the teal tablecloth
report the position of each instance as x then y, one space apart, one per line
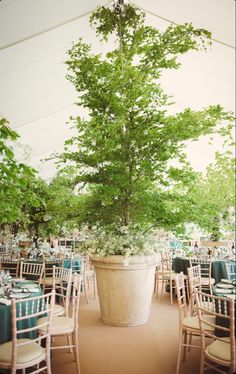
218 270
5 319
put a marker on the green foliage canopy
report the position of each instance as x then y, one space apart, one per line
15 178
213 197
123 151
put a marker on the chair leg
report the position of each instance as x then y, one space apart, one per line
69 342
201 369
162 286
190 341
86 292
88 283
171 291
156 286
185 347
76 350
48 362
211 293
179 351
187 287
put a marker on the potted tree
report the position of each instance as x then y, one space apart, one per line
123 151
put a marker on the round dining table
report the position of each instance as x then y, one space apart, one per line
218 270
66 262
24 290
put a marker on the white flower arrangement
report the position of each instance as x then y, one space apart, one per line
22 236
224 253
124 241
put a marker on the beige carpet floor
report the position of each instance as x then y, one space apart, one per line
147 349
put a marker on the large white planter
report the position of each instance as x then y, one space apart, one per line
125 287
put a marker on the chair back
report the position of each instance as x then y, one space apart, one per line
76 287
48 266
27 311
62 280
221 326
166 265
166 261
194 281
31 270
181 296
205 266
8 264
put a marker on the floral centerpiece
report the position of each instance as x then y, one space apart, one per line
123 241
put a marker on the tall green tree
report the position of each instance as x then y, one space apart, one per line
213 196
15 178
62 203
57 207
123 150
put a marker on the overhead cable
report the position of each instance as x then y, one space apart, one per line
50 28
43 117
175 23
88 13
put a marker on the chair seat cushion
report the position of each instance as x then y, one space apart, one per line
192 322
207 281
173 274
49 281
219 349
25 353
58 310
60 325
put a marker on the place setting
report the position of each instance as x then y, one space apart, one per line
226 288
23 290
15 288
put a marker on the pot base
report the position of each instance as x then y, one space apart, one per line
124 324
125 287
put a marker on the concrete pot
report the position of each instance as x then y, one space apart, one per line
125 288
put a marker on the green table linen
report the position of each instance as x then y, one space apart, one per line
218 270
5 315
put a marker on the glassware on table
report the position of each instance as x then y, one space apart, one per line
5 281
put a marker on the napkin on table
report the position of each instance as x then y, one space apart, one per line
31 290
5 301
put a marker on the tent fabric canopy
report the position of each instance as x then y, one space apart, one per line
37 100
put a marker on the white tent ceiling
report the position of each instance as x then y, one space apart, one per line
37 99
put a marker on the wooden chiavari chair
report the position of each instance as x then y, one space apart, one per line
68 326
220 329
207 281
47 279
166 276
32 271
188 324
62 279
11 265
22 352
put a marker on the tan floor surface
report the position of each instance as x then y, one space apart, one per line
147 349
